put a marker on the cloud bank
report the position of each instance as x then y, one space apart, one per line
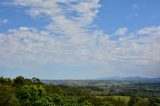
70 38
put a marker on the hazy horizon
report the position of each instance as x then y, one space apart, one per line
79 39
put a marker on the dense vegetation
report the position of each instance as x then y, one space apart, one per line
32 92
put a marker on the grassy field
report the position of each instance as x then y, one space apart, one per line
124 98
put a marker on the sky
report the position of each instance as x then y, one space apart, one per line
79 39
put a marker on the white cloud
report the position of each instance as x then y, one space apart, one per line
69 40
150 30
121 31
30 45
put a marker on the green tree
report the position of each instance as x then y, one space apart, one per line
29 95
7 97
154 101
58 99
142 102
133 100
36 81
5 81
107 103
19 81
86 103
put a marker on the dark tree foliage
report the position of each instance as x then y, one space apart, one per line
19 81
5 81
36 81
133 100
7 97
154 101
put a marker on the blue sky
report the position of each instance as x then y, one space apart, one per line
133 14
82 39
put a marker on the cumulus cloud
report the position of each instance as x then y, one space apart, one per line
69 39
121 31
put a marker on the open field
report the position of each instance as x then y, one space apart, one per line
123 98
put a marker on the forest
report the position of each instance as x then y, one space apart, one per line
22 91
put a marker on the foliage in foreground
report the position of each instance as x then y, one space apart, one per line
32 92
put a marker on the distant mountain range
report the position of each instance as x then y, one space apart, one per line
136 78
